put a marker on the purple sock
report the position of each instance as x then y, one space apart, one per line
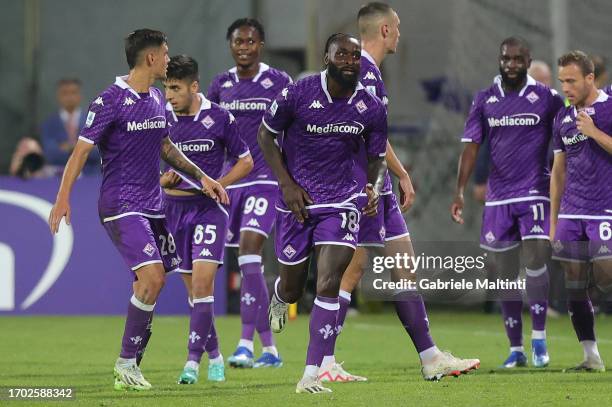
322 330
262 323
145 341
344 299
581 313
251 292
411 311
199 327
537 293
136 323
513 321
212 344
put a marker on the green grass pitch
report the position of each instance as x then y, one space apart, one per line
80 352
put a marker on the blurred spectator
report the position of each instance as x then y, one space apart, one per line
540 71
59 133
601 73
28 160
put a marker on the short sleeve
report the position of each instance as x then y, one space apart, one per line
100 118
234 144
474 124
376 140
281 112
213 92
557 141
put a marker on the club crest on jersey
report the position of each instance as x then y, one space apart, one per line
315 105
227 84
532 97
128 101
492 99
370 75
99 101
266 83
207 122
361 106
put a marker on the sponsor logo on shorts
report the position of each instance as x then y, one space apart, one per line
266 83
532 97
175 261
205 253
253 222
289 251
490 237
557 246
382 232
603 249
537 229
230 236
349 237
149 250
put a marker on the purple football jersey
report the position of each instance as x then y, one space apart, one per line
519 127
320 134
128 129
206 138
247 100
371 78
588 190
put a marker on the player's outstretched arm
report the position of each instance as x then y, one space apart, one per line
74 166
376 179
585 124
466 165
557 185
405 183
176 159
294 196
241 169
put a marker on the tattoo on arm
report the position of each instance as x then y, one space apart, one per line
176 159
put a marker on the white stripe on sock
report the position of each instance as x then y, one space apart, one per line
345 294
311 371
208 299
535 273
517 349
246 343
334 306
190 302
249 258
538 334
590 350
141 305
327 360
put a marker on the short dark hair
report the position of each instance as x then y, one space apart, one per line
248 22
578 58
373 8
139 40
599 65
335 38
516 41
183 67
68 81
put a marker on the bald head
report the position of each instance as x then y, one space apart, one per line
378 22
540 71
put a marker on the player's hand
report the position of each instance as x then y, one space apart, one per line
296 199
584 123
406 193
372 206
169 179
60 209
456 209
213 189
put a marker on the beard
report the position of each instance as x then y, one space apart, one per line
336 74
513 82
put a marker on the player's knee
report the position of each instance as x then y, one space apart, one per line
536 254
201 287
251 243
328 286
155 284
602 274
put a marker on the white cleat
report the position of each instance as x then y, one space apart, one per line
311 385
591 365
277 313
448 365
129 377
335 373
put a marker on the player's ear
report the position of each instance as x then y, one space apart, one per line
194 87
384 30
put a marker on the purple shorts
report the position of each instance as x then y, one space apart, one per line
387 224
199 226
581 240
251 209
142 240
504 226
324 225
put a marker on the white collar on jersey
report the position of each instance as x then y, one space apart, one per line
498 82
121 82
262 68
329 98
601 97
205 104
